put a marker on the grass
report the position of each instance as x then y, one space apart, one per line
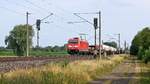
145 73
77 72
9 53
47 53
6 53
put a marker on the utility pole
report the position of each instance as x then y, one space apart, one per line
38 23
95 38
100 42
95 28
119 43
38 38
27 37
99 13
125 46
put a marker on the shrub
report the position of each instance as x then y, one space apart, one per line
133 49
147 56
141 53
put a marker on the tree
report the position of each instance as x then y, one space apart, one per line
17 39
112 44
146 57
134 49
142 39
55 48
141 53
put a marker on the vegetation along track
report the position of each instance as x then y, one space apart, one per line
13 63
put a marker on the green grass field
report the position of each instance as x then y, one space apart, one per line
46 53
6 53
9 53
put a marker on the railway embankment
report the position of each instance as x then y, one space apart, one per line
75 72
8 64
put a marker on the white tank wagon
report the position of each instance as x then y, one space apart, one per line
108 49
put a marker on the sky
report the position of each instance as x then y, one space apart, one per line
126 17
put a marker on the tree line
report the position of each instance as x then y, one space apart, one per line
140 45
16 40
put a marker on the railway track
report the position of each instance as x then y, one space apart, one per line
13 63
12 59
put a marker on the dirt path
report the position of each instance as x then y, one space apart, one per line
125 73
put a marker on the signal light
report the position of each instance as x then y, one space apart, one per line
38 23
95 23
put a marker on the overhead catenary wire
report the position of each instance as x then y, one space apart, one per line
78 15
24 6
76 22
58 16
83 18
13 11
47 16
17 4
44 18
35 5
64 12
27 7
69 13
39 7
42 8
88 13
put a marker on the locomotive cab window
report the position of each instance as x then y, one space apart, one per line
73 41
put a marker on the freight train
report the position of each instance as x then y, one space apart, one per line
80 46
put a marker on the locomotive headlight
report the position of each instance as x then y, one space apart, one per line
76 46
69 46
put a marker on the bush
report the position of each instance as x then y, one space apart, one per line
141 39
147 56
141 53
134 49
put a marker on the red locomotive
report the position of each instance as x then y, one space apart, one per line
80 46
77 45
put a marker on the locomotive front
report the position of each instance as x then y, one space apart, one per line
73 46
77 46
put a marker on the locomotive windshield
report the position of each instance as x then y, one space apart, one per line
73 41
